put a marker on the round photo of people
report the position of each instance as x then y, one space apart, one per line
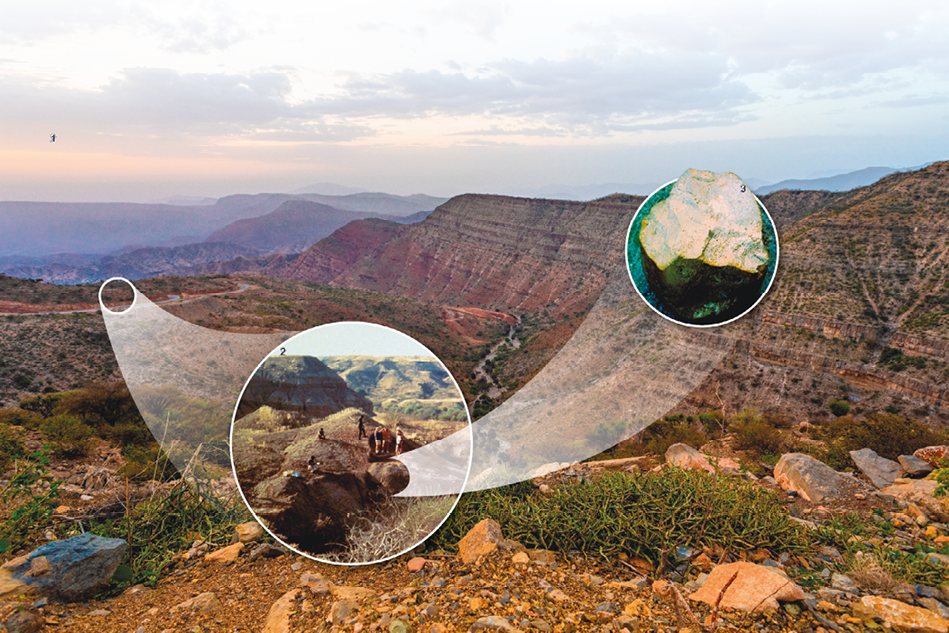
319 431
702 250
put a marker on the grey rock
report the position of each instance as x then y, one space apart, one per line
265 550
881 471
814 480
24 622
914 466
835 596
78 567
935 606
844 583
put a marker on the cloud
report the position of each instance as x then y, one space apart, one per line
579 94
199 36
164 103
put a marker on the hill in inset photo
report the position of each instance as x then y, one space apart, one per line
315 445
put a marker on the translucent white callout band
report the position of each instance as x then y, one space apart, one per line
622 369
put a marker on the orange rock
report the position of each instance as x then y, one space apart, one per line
225 555
480 540
903 617
753 587
416 564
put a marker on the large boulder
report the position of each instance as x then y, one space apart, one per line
882 472
684 456
814 480
481 540
747 587
69 570
921 492
902 617
914 466
313 511
392 476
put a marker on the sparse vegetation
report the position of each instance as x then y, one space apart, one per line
648 515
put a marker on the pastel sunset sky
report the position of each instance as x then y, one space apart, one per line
207 99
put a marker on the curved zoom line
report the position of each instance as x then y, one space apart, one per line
165 361
623 368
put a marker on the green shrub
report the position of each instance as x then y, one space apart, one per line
713 421
144 463
759 438
649 514
160 528
890 435
68 436
11 446
665 435
19 417
839 407
44 405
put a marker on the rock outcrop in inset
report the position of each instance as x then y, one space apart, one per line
705 249
299 383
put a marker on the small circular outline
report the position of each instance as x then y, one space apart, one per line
464 484
134 296
777 261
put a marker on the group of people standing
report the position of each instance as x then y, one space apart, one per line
382 440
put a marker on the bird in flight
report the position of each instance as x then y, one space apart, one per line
52 138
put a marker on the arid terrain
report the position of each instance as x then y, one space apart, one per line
849 351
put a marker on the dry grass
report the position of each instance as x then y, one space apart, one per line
868 572
396 526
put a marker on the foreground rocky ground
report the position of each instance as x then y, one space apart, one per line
496 584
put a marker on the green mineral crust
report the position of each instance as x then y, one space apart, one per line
702 248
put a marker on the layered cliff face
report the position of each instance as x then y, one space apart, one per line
860 307
333 255
299 383
502 253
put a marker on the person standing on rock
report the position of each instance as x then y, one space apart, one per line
362 427
398 441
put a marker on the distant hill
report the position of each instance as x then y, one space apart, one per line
501 253
292 227
186 200
840 182
150 261
331 256
379 204
35 229
394 377
327 189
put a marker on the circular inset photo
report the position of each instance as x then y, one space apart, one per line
702 250
318 433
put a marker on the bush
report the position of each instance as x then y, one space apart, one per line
839 407
756 435
18 417
11 446
649 515
68 436
145 463
890 435
713 421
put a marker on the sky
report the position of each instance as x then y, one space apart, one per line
351 338
207 99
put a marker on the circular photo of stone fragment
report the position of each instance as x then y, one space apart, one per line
702 250
333 425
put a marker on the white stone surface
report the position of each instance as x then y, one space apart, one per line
707 216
